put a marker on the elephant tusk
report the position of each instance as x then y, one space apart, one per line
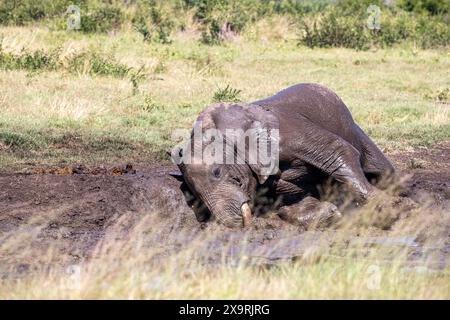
246 214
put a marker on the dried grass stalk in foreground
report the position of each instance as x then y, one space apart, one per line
356 259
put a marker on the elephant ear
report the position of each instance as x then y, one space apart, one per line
261 177
176 155
265 159
257 143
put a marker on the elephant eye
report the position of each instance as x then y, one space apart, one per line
237 181
216 172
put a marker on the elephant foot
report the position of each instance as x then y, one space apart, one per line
310 213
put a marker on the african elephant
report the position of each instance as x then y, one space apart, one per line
316 139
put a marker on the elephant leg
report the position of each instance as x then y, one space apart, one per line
351 174
332 155
374 163
290 192
310 212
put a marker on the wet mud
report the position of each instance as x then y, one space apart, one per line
73 209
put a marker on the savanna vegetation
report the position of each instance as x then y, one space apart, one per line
114 88
108 89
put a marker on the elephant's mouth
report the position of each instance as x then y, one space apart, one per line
246 214
232 213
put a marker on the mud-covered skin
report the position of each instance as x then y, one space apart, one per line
310 212
318 140
317 130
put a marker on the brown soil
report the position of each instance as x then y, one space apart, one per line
429 169
72 209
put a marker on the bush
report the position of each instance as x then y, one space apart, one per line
94 64
101 19
325 23
336 27
294 7
21 12
432 33
227 94
332 29
96 16
140 25
433 7
81 63
359 7
212 33
154 21
221 19
31 61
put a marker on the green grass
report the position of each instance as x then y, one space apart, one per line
226 94
120 100
119 115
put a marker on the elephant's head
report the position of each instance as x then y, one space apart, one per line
221 163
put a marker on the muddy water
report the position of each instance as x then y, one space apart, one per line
75 212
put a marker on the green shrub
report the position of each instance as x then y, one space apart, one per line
150 105
140 25
359 7
136 77
107 66
24 11
95 64
221 18
16 140
81 63
96 16
332 29
25 60
295 7
336 27
431 32
433 7
227 94
324 23
211 33
154 21
101 19
21 12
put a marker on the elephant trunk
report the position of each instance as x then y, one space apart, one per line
233 213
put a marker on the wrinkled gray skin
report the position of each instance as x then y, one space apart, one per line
318 140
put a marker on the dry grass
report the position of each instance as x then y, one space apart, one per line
127 274
387 90
53 116
355 260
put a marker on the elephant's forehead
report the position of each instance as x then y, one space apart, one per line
202 167
197 166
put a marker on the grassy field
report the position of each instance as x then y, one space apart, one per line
340 279
110 98
335 266
84 108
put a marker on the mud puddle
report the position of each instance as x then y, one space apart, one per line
74 209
